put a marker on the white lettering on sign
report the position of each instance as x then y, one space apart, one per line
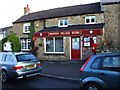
75 32
54 33
64 33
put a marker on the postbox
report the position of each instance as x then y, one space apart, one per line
94 45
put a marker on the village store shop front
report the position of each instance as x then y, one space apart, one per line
67 43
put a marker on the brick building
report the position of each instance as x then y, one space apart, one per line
68 33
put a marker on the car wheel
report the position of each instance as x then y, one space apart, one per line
4 76
92 87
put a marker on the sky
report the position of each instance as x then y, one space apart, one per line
11 10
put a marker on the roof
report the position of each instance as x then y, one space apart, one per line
61 12
73 27
5 28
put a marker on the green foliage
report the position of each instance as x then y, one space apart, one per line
15 42
2 42
32 31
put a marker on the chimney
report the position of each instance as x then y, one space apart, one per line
26 10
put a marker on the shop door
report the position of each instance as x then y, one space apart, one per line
75 48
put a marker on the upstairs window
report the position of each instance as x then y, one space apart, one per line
26 28
90 19
63 23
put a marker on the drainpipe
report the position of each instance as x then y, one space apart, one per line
81 37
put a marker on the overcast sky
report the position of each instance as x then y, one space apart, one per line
11 10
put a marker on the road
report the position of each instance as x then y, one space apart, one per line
38 82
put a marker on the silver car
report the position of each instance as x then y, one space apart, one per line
18 65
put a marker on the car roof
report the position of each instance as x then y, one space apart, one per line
16 53
107 54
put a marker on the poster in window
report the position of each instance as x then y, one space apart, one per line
75 43
95 39
87 41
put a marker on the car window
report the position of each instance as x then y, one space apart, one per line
9 58
1 57
26 57
111 63
95 63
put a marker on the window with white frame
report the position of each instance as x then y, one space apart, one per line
26 28
25 44
88 41
63 23
90 19
54 45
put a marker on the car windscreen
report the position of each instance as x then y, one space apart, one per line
26 57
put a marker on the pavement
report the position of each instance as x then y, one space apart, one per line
65 70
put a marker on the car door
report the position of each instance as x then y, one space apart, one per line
109 71
8 62
2 57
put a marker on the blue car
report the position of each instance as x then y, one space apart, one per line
101 72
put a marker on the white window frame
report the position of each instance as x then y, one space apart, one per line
90 19
26 30
53 47
25 41
63 23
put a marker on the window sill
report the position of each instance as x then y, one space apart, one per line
26 32
54 53
25 49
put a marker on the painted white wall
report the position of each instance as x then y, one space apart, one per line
1 36
7 46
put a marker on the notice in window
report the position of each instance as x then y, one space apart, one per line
75 43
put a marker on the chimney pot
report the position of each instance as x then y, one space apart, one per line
26 10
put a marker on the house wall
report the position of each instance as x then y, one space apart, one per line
111 34
38 25
18 29
111 14
74 20
66 56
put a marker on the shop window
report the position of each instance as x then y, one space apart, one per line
90 19
25 44
54 45
94 39
63 23
26 28
88 41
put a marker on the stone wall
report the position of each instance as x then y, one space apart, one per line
18 29
38 25
111 25
74 20
55 57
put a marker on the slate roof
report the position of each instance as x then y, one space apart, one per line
5 28
73 27
61 12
